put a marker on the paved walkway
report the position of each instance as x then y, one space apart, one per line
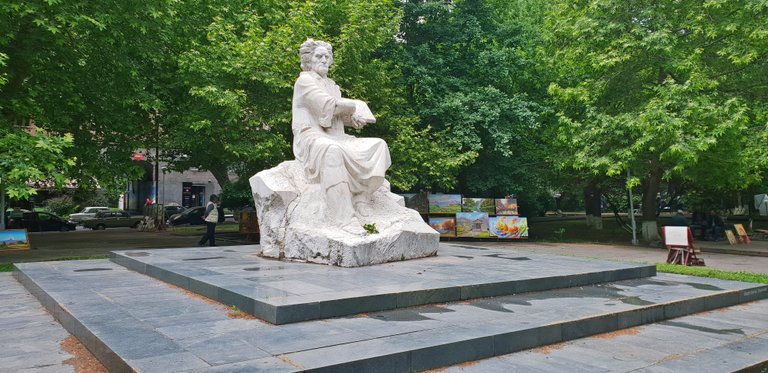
643 254
31 337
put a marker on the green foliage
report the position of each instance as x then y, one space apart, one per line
237 195
62 206
26 158
468 79
370 228
6 267
657 87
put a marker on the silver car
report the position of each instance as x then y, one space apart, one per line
87 213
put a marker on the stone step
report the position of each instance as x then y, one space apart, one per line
284 292
726 340
132 322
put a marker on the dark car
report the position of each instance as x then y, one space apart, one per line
40 222
173 210
112 219
191 216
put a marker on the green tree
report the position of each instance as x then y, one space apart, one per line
469 79
26 158
657 87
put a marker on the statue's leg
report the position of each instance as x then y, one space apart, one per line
338 197
362 201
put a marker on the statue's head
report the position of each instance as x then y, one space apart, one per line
316 56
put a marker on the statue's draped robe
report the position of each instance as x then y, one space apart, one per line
316 131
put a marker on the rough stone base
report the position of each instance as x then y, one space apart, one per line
293 226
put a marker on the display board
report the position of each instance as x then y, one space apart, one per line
14 239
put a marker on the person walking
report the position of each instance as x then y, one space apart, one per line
211 217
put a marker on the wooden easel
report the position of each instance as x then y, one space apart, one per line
742 233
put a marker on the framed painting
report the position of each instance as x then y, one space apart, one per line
506 206
445 226
478 205
472 224
444 203
417 201
14 239
508 227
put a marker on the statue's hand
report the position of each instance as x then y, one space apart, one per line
357 121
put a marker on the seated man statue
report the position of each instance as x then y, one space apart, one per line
349 169
332 204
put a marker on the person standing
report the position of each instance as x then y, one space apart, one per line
211 217
679 219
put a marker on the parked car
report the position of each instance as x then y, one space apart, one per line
191 216
173 210
112 219
87 213
40 222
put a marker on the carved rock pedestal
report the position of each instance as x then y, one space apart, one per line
293 226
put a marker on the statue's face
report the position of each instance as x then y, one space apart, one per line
321 61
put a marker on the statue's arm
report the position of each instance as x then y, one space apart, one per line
322 105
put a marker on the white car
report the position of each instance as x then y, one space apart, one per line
87 213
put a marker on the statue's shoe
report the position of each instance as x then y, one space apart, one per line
354 227
363 210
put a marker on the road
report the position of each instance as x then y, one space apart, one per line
86 242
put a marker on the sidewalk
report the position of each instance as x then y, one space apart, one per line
755 248
727 260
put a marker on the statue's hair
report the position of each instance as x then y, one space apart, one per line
308 48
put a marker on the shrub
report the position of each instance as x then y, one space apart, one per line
62 206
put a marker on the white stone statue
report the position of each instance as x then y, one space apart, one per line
314 208
349 169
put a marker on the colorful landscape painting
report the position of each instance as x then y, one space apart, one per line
444 203
506 206
445 226
14 239
478 205
417 201
472 224
508 226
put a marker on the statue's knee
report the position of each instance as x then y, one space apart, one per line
334 156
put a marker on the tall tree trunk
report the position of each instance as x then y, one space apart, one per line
2 207
221 174
650 184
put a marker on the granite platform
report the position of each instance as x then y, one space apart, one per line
284 292
133 322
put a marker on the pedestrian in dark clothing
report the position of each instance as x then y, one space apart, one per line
715 226
679 220
211 217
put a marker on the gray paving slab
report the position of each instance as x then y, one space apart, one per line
283 292
724 340
31 337
154 333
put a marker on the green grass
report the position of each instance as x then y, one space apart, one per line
8 267
192 230
712 273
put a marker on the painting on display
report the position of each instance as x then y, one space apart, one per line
478 205
445 226
472 224
14 239
508 226
506 206
417 201
444 203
